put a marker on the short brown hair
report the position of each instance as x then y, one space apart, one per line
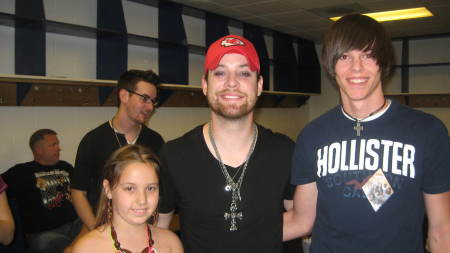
39 135
360 32
129 79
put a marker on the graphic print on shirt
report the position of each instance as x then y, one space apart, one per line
349 164
54 187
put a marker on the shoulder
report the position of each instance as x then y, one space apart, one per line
19 168
275 138
417 119
326 122
186 140
19 176
95 138
166 240
326 119
65 164
94 241
150 132
152 137
100 130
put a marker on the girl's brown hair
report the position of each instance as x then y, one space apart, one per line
113 169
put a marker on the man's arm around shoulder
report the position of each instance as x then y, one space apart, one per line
298 221
438 212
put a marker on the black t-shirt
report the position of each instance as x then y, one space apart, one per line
192 183
95 149
42 194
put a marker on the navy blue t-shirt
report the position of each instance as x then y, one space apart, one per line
412 150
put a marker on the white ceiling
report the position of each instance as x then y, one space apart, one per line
308 18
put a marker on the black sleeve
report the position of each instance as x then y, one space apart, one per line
167 201
84 164
153 140
12 179
68 167
288 150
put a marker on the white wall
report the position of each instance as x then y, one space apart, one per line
71 123
426 79
75 57
71 56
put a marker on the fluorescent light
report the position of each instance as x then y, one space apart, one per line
420 12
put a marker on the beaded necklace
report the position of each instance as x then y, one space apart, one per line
119 249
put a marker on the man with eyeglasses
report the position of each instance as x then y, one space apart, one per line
137 92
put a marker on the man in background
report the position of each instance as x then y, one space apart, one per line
137 92
41 189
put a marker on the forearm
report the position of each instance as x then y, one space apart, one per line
6 221
292 228
299 220
6 232
83 208
439 240
438 212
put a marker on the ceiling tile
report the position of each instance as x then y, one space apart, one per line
233 3
294 17
303 18
316 4
266 8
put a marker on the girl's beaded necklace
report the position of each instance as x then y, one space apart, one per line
119 249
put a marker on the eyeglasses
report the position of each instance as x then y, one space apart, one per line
145 98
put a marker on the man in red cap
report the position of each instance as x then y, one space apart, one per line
229 178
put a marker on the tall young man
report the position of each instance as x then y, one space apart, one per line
369 169
228 178
137 96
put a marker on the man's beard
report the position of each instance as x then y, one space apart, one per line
138 117
229 110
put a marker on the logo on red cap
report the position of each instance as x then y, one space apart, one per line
228 42
231 44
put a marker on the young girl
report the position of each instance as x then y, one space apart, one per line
128 200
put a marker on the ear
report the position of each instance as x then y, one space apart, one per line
124 96
37 149
107 189
260 85
204 85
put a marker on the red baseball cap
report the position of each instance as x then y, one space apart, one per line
231 44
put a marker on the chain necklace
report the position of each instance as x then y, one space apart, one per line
117 138
231 185
119 249
358 127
